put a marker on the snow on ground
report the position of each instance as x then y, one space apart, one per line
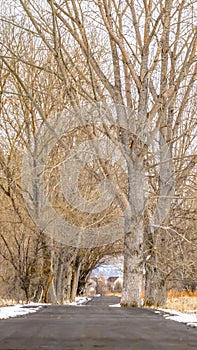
19 310
25 309
80 301
114 305
189 319
183 317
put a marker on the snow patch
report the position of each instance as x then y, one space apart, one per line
80 301
19 310
115 305
183 317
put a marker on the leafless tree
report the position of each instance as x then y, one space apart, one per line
140 56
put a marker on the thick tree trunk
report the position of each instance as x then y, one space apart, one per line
133 266
155 277
60 280
155 287
49 293
134 234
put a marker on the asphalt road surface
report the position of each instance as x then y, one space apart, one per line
95 326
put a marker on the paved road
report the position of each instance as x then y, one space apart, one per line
95 326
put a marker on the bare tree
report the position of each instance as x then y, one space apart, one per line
140 56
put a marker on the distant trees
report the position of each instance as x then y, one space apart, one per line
141 58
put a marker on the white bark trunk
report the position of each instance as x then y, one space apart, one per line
133 265
134 237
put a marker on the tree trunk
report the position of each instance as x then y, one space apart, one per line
49 294
39 291
133 266
134 233
82 281
25 286
69 284
60 278
155 286
52 296
75 280
155 277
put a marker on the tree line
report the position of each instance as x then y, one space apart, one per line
135 64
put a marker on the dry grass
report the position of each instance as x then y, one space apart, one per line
7 302
177 294
115 294
182 301
176 300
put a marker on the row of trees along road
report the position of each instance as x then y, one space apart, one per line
139 56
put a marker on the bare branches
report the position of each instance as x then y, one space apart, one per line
138 56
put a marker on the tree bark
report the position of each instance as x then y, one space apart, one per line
60 279
155 286
52 296
133 264
69 284
134 237
49 294
75 281
155 276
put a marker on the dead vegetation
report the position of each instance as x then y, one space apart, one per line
182 301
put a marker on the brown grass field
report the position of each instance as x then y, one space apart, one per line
180 301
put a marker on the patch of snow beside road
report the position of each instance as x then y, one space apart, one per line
19 310
189 319
25 309
183 317
115 305
80 301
